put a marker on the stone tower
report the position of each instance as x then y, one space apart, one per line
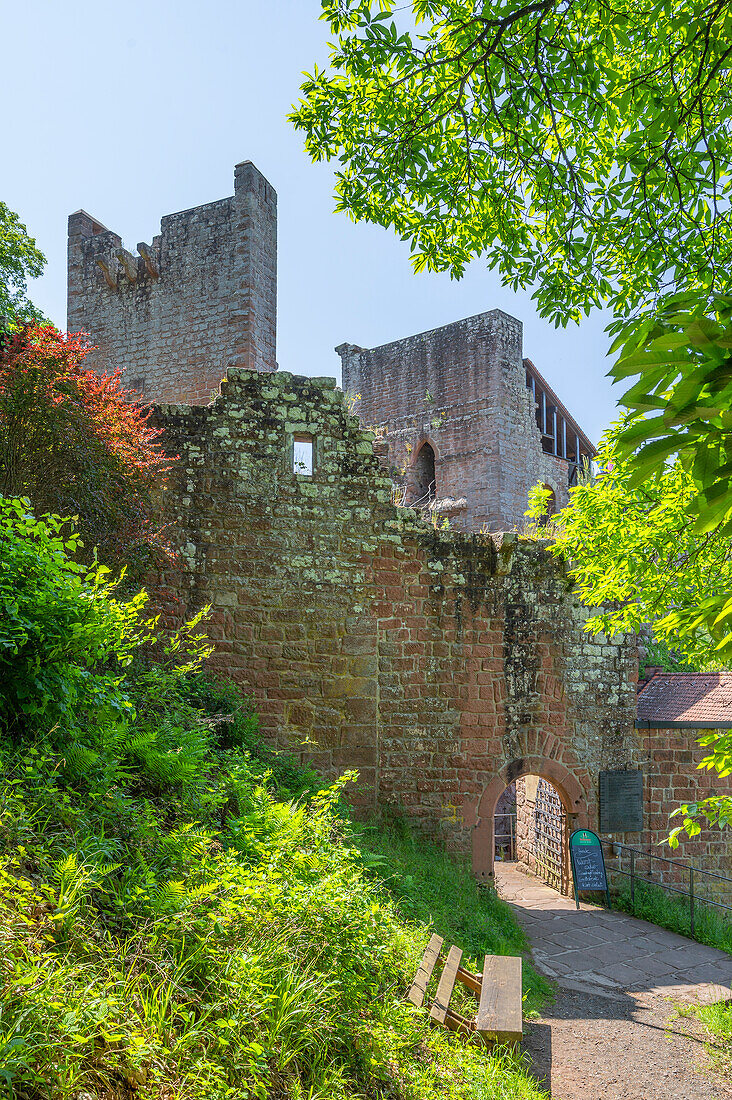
471 425
200 298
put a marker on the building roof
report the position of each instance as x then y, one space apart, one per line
691 700
529 365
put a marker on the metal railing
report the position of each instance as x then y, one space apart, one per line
426 499
633 857
505 837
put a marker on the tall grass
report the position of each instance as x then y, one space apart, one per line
186 914
668 910
438 890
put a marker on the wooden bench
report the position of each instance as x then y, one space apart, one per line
498 992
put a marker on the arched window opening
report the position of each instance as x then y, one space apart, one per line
424 489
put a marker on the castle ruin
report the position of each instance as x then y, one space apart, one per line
202 297
444 664
470 424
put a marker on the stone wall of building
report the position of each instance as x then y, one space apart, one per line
525 804
462 388
443 666
671 759
202 297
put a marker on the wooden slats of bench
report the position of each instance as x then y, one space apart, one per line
472 981
498 991
441 1003
500 1007
418 987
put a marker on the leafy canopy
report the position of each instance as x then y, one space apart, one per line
680 362
583 147
76 444
20 260
634 552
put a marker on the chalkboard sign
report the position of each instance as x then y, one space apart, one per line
588 863
621 802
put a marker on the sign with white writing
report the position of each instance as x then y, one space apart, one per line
588 863
621 802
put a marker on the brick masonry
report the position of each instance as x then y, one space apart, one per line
200 298
461 388
441 665
671 759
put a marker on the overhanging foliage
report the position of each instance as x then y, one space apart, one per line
583 147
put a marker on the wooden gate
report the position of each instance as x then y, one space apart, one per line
549 835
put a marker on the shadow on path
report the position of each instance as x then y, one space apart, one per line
613 1032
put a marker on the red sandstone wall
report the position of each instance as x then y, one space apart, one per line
442 666
462 388
672 778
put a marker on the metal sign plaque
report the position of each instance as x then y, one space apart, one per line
621 802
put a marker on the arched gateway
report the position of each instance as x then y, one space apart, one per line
571 794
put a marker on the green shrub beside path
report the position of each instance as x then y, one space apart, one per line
184 914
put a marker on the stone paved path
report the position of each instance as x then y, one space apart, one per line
614 1032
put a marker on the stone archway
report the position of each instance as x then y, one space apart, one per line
567 786
422 475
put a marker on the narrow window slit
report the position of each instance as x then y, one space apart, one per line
302 460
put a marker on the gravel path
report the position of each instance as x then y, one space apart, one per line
613 1032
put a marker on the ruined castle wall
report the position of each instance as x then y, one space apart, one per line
442 666
200 298
462 388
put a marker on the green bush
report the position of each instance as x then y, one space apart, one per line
184 913
60 623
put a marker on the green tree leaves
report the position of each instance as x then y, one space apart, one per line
20 260
636 555
682 363
579 146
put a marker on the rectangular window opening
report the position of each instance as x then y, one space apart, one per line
302 455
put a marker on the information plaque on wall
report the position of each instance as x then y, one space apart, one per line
621 802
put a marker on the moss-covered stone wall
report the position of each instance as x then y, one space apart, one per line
441 665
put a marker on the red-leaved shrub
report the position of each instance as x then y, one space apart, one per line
76 444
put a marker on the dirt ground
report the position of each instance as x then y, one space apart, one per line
614 1031
627 1047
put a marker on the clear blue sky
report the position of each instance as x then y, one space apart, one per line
136 110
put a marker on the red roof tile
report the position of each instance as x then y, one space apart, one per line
687 698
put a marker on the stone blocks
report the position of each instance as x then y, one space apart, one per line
462 389
200 299
438 663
